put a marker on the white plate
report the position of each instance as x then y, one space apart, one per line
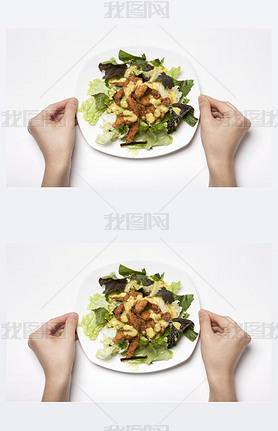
184 348
90 71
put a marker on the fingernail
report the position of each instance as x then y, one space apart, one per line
73 316
73 100
202 313
202 98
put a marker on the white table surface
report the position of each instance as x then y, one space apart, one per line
43 65
240 273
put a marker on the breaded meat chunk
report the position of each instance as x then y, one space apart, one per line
132 346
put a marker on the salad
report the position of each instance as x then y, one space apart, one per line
141 101
140 317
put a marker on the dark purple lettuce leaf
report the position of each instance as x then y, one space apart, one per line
175 119
166 295
166 80
111 70
111 284
175 334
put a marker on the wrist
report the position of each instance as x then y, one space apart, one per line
222 387
57 388
222 172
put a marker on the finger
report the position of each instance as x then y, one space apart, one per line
205 109
222 107
221 321
70 112
54 323
205 323
70 326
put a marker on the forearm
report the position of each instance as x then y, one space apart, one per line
222 174
56 174
56 391
222 389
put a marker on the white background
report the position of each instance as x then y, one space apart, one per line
230 279
43 67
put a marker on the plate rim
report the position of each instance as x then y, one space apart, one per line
126 155
128 371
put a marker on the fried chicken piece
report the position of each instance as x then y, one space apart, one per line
145 315
166 101
140 306
119 84
120 336
162 114
132 346
118 311
135 321
132 132
155 93
166 316
145 100
118 298
150 109
140 91
150 324
118 96
155 308
120 121
135 107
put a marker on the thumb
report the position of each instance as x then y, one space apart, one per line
205 108
205 323
70 326
70 112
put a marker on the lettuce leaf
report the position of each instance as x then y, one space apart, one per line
184 300
110 348
112 69
174 72
190 119
157 353
111 284
190 333
97 86
174 287
184 86
128 58
94 322
97 301
109 134
154 139
90 112
127 272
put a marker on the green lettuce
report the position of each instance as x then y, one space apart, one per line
174 72
154 139
92 113
109 134
97 301
174 287
97 86
153 353
94 322
184 300
110 348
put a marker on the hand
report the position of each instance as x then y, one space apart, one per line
222 129
222 344
54 346
54 131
